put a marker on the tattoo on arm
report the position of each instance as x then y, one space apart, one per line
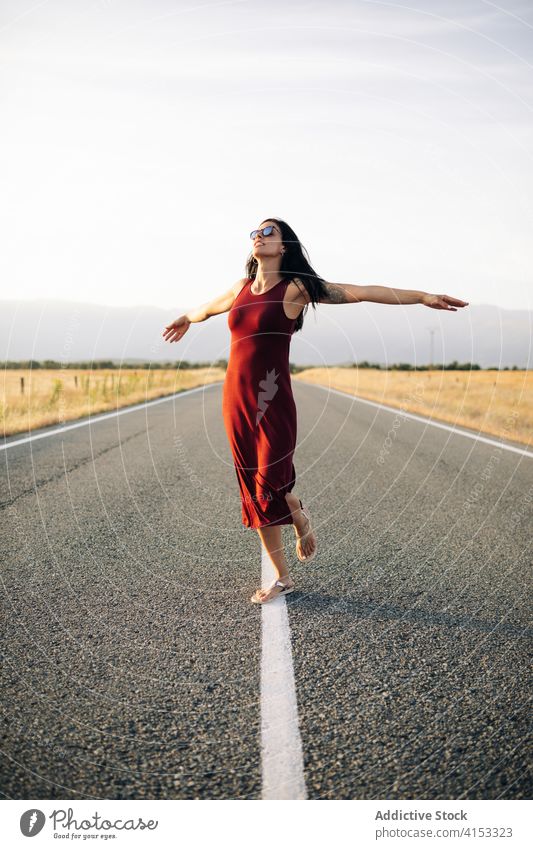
336 294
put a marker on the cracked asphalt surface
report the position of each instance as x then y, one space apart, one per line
131 654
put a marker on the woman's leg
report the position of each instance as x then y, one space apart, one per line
272 542
307 537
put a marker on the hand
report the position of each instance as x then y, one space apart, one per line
173 332
442 302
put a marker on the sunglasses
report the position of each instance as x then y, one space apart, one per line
266 231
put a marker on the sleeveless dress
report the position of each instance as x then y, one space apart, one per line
258 406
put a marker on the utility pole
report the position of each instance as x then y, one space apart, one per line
431 345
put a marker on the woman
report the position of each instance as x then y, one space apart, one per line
265 308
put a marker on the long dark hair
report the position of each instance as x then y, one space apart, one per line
294 263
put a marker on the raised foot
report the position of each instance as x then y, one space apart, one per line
306 545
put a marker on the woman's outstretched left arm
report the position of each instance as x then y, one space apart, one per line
348 293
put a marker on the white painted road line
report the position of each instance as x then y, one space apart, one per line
451 428
92 419
281 745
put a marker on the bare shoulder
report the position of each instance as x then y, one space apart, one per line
333 293
296 293
236 288
295 298
224 302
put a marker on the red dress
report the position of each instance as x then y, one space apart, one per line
258 406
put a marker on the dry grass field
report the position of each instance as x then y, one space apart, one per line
54 396
499 403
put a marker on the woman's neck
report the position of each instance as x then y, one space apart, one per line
267 275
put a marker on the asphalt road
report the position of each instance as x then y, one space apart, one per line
131 655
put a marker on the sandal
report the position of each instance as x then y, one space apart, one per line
310 556
285 590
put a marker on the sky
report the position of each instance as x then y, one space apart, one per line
142 141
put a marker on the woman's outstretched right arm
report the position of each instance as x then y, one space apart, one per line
223 303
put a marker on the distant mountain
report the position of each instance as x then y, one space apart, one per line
69 331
